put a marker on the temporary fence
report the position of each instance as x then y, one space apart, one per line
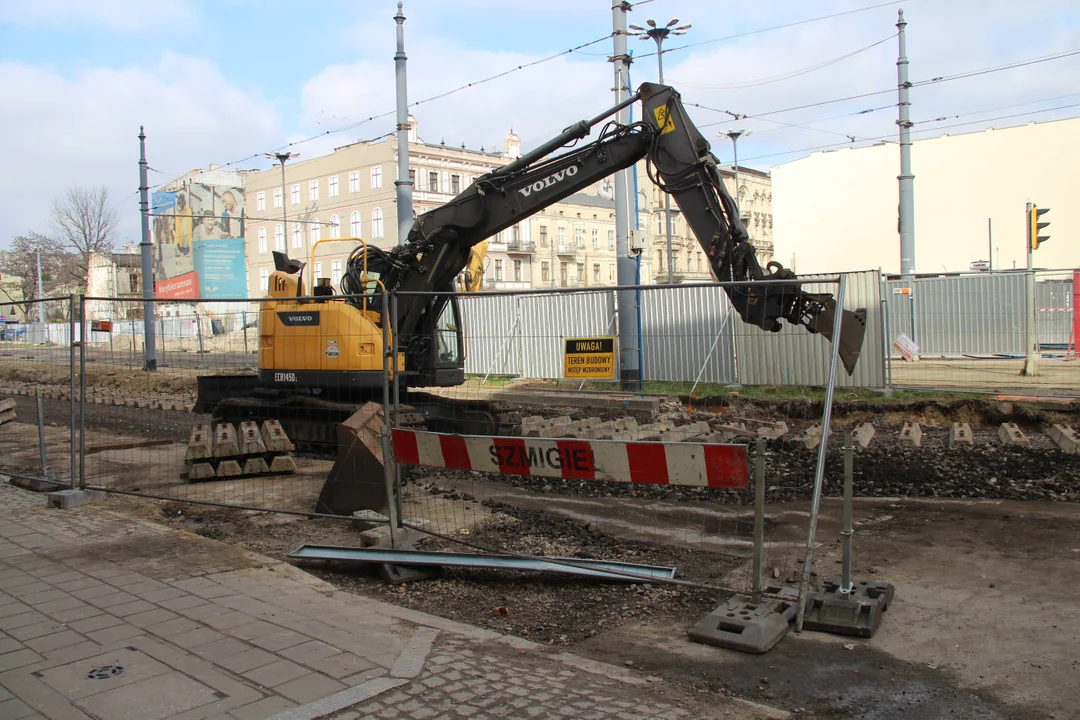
970 332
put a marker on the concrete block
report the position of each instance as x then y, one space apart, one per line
960 434
283 464
200 471
274 438
255 466
606 430
225 444
741 624
404 536
251 442
773 430
807 439
368 519
716 437
199 445
571 429
64 499
686 432
911 435
508 418
862 434
7 404
1066 438
228 468
535 425
7 416
1011 434
645 432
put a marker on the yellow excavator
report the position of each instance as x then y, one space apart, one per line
320 354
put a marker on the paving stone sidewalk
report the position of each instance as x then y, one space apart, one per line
108 618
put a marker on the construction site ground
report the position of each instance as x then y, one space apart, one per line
978 541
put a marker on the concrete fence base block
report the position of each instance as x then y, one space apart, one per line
1066 438
255 466
64 499
911 435
741 624
960 434
841 614
863 434
200 471
773 430
807 439
1011 434
283 464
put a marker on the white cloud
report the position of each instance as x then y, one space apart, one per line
81 129
124 16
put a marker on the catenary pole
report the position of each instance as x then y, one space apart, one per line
907 180
149 346
403 185
626 267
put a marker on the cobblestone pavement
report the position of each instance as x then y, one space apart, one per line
106 617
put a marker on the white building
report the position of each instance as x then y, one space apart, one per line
838 210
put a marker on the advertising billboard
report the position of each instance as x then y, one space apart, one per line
199 242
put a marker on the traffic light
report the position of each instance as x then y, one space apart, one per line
1035 227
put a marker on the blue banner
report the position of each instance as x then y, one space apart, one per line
220 265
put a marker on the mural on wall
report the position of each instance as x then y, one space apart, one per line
199 242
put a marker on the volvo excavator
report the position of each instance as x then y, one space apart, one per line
320 357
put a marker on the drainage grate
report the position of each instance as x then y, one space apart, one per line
104 672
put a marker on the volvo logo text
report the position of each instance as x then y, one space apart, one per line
549 181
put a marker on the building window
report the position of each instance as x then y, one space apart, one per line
376 223
498 270
278 201
433 181
545 272
335 227
596 272
354 181
335 272
611 272
455 184
610 239
412 176
279 237
699 262
354 225
376 177
562 274
260 200
660 260
133 286
517 271
660 224
262 241
689 263
264 279
297 235
674 262
316 230
581 272
313 190
596 239
543 236
579 237
295 194
332 192
562 239
318 270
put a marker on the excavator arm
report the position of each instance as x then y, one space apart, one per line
441 241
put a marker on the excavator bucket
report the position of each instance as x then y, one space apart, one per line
357 480
852 330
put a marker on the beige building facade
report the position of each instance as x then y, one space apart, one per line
837 211
350 193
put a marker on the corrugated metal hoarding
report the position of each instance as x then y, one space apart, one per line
687 332
796 357
492 334
547 320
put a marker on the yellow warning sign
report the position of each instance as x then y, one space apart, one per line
663 120
589 358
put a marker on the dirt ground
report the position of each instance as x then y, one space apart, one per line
984 623
1004 375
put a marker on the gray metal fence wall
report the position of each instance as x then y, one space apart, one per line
795 357
979 314
688 333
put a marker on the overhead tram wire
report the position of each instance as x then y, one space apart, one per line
777 27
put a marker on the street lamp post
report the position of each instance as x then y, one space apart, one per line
659 34
735 135
281 158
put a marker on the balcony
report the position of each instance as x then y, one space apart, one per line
521 246
567 250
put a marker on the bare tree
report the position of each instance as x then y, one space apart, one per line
84 222
21 261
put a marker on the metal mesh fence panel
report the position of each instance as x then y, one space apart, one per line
969 333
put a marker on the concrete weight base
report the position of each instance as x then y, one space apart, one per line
741 624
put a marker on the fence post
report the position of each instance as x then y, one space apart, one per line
161 322
198 334
41 434
819 474
243 322
82 393
396 400
847 530
387 446
71 362
759 518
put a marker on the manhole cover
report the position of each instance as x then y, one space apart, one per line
104 672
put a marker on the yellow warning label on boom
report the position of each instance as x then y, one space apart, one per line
663 120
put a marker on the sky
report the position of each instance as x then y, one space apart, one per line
226 81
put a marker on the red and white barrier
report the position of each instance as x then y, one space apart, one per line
653 463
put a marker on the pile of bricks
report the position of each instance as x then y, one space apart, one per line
183 402
222 452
